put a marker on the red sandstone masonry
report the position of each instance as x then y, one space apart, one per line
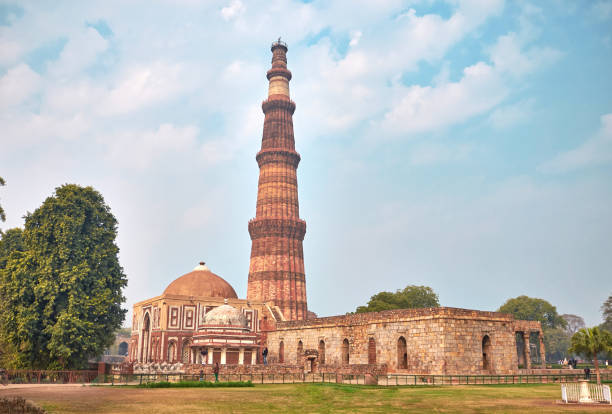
276 270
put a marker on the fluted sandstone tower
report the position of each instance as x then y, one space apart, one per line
276 271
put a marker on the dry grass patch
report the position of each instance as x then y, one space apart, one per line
300 398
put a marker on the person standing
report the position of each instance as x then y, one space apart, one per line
265 355
216 371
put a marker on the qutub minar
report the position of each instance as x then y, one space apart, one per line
276 271
199 320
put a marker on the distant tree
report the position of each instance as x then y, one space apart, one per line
589 342
556 341
2 215
61 292
409 297
533 309
574 323
606 311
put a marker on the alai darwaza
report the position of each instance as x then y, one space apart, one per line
200 319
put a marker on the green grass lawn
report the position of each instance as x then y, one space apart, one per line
301 398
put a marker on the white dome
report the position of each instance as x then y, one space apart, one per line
226 315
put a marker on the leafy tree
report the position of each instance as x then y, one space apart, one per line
2 215
574 323
556 341
589 342
409 297
606 310
533 309
61 292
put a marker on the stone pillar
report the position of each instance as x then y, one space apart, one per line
210 356
527 350
542 350
241 356
254 356
223 354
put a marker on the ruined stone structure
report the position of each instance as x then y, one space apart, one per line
418 341
276 271
200 314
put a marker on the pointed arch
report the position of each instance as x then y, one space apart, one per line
402 353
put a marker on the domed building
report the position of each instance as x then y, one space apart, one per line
199 319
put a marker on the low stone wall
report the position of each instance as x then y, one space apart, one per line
355 369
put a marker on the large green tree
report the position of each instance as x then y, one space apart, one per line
61 291
409 297
553 325
606 311
533 309
589 342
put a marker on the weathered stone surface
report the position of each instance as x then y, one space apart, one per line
438 340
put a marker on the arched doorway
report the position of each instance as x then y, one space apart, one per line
123 348
171 351
281 352
146 333
371 351
486 353
345 352
402 353
300 352
321 352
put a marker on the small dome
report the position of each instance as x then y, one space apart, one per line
226 315
201 282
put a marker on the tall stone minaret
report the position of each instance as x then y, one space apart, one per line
276 271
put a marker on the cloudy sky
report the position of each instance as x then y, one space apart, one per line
463 145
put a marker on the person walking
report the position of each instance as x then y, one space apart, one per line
587 373
216 371
265 356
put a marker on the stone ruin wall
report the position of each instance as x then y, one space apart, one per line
439 340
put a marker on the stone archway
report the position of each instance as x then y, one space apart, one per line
486 353
281 352
321 352
123 348
345 352
402 353
146 334
171 351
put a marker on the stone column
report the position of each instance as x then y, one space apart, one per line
542 350
210 356
223 354
241 356
254 356
527 350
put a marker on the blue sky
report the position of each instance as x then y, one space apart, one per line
463 145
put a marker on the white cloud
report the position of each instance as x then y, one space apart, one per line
509 115
233 10
508 56
139 149
595 151
143 86
355 36
18 84
79 53
422 109
432 153
10 51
